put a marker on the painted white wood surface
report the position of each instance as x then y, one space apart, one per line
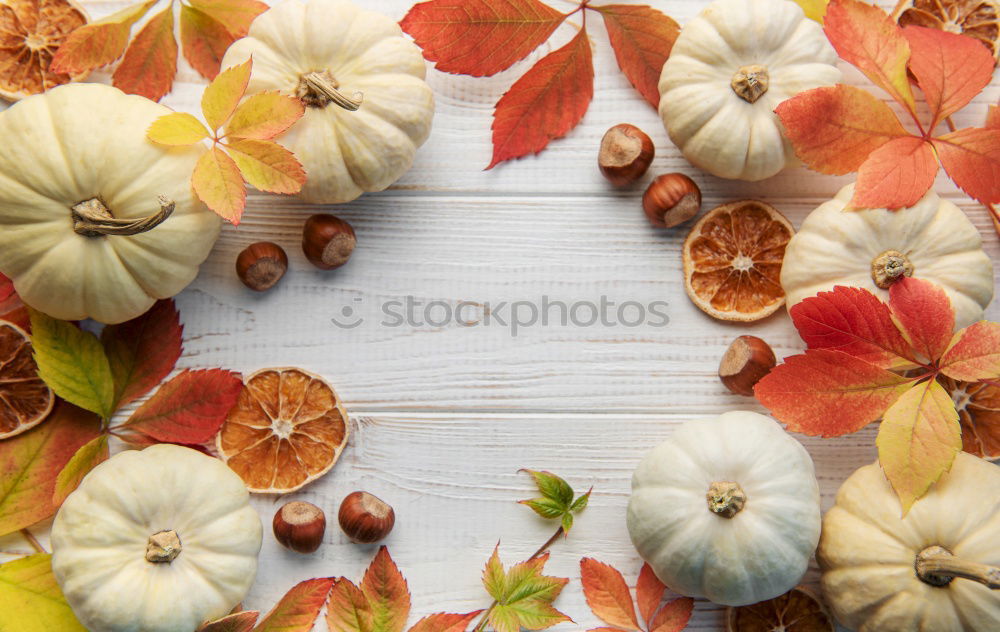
444 416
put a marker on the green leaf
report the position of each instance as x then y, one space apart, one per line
524 596
581 503
567 522
545 507
552 487
72 362
89 456
30 599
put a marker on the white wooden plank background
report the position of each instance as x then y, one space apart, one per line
444 416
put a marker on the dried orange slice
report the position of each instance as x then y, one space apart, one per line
31 31
286 430
732 261
25 400
798 610
976 18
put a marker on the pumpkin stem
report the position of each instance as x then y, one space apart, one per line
163 546
937 566
318 89
750 82
889 267
725 498
91 218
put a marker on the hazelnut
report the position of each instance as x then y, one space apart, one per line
261 265
299 526
327 241
365 518
671 199
744 363
626 153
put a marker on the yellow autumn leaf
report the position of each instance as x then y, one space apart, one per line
918 440
221 97
814 9
265 115
179 128
267 165
217 182
30 598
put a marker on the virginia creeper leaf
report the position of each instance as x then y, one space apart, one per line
143 351
950 69
866 37
348 610
924 315
552 487
265 115
6 288
218 183
917 440
223 95
607 594
31 463
974 353
236 15
674 616
581 502
190 408
834 128
828 393
177 129
30 598
971 156
204 41
545 103
852 320
98 43
479 37
545 507
267 165
993 117
648 593
236 622
641 38
387 594
89 456
444 622
150 62
72 363
896 175
524 596
298 609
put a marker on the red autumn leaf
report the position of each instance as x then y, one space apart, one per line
298 609
923 314
6 288
11 308
607 594
143 351
236 622
98 43
648 593
974 353
866 37
852 320
236 15
204 41
190 408
828 393
150 62
674 616
444 622
89 456
896 175
834 128
547 102
971 157
641 38
479 37
950 69
387 594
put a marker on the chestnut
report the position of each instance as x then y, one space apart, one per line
747 360
671 199
327 241
261 265
299 526
365 518
625 155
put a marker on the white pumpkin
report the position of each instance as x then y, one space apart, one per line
156 541
932 240
335 56
728 70
727 508
878 565
82 149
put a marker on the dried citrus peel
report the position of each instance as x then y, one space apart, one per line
31 31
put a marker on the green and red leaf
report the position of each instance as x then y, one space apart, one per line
150 62
524 596
143 351
642 38
347 609
387 593
298 609
896 175
607 594
923 314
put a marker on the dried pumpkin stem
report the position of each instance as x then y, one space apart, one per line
725 498
889 267
163 547
750 82
937 566
323 89
91 218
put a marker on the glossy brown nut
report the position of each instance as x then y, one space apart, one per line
261 265
299 526
671 199
365 518
747 360
327 241
625 155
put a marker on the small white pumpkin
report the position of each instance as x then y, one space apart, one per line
337 56
883 572
80 187
871 248
728 70
727 508
156 541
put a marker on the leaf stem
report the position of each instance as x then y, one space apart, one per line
33 541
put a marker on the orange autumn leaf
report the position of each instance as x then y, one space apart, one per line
235 15
236 622
896 175
971 156
347 609
267 165
204 40
674 616
993 117
298 609
648 593
974 353
924 315
99 43
86 458
607 594
445 622
150 62
264 115
387 593
641 38
218 183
